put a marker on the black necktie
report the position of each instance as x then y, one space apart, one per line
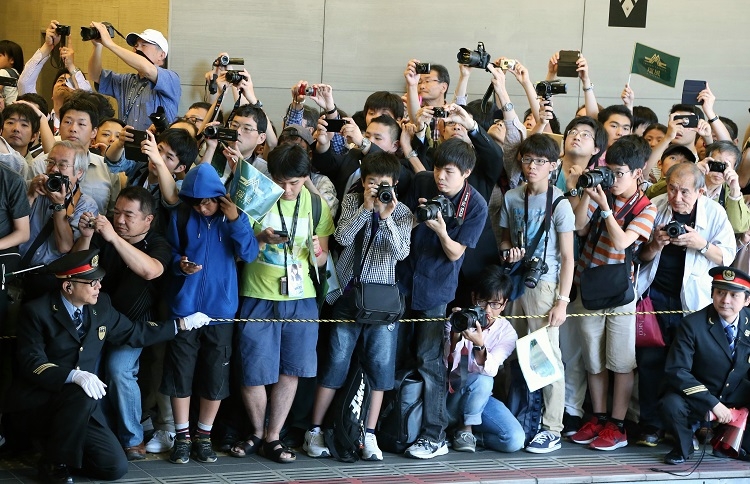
731 335
78 321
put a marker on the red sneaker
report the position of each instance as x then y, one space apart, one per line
610 438
588 432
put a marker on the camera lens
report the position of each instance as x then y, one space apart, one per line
210 132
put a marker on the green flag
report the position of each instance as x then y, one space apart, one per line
254 193
655 65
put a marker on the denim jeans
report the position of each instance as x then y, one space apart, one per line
430 364
499 430
124 394
466 405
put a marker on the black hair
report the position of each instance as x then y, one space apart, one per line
359 120
631 150
600 134
493 282
23 110
643 115
380 163
288 161
310 117
141 195
688 108
554 123
79 103
656 126
193 128
13 51
112 120
722 146
385 100
100 101
200 105
607 112
35 98
182 143
248 111
390 123
485 119
457 152
731 126
442 74
540 145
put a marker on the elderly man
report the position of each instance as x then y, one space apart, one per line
691 235
708 363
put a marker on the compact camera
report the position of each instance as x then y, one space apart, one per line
423 68
234 77
430 209
468 318
508 64
219 133
717 166
62 30
601 176
159 118
225 60
474 58
385 193
307 90
439 112
56 181
535 269
547 89
674 229
91 33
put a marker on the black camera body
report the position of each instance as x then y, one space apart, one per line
439 112
234 77
474 58
717 166
429 210
468 318
91 33
159 118
385 193
56 181
62 30
601 176
219 133
674 229
8 81
535 269
547 89
225 60
423 68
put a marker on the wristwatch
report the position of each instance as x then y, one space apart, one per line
606 213
560 297
257 104
58 207
412 154
478 348
705 249
365 144
508 107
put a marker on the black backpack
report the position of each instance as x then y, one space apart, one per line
526 406
401 415
345 419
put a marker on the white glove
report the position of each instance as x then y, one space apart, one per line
90 383
195 320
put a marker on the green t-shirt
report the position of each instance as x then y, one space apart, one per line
260 278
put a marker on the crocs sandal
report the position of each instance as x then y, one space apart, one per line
274 450
243 448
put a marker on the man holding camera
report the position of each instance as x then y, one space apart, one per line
449 223
722 182
138 95
692 234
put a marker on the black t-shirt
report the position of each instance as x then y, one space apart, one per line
668 279
13 201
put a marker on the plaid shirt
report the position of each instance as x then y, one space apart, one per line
294 116
391 244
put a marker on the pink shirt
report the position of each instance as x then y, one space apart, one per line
500 341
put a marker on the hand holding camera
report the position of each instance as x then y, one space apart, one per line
410 74
351 132
457 114
87 224
51 35
512 255
470 322
689 237
99 33
597 195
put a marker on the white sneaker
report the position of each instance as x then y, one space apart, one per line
371 451
162 441
315 445
425 449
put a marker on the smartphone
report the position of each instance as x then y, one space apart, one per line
335 125
690 90
566 64
423 68
281 233
688 120
190 263
133 148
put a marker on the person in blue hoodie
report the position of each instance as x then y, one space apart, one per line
207 232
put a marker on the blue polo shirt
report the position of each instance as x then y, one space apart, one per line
427 274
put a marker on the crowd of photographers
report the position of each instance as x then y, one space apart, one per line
416 206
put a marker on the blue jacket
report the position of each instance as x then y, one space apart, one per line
212 242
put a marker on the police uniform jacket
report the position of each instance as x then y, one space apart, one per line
700 365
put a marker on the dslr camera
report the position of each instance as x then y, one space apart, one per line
234 77
429 210
717 166
159 118
674 229
385 193
225 60
56 181
439 112
468 318
91 33
62 30
474 58
547 89
535 269
219 133
601 176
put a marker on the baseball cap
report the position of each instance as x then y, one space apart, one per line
151 36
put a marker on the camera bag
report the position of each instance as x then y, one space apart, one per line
609 285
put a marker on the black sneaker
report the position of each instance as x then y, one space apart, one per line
181 451
202 450
571 425
650 436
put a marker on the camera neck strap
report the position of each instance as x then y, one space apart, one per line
133 93
289 244
463 203
544 229
43 235
632 208
359 242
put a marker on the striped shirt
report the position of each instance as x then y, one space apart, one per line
605 253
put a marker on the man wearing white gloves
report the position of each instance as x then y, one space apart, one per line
56 391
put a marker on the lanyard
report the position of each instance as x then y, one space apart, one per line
290 242
131 100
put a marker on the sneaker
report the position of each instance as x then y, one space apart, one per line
425 449
464 442
571 425
202 450
315 444
588 432
162 441
371 451
180 452
650 436
610 438
544 442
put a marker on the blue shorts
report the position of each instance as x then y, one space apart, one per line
268 350
379 349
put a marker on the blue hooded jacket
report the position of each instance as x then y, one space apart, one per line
212 242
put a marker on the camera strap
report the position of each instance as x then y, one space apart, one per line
463 204
47 229
290 239
544 229
632 208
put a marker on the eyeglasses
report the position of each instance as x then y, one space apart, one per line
91 283
245 128
193 119
425 81
495 305
584 134
527 160
60 165
620 174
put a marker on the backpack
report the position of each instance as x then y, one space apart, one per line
526 406
345 420
401 415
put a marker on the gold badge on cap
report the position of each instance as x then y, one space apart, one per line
102 332
95 261
728 275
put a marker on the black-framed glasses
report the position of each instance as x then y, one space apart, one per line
527 160
92 282
495 305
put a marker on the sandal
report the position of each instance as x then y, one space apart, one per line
274 450
243 448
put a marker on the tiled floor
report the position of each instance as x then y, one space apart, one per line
572 464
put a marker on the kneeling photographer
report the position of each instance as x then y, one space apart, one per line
537 224
692 234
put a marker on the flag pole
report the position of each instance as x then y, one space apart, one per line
632 59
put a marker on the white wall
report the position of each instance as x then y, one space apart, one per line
362 46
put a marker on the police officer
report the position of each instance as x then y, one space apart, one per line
57 389
707 366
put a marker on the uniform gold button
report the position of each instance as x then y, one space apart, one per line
78 367
81 349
